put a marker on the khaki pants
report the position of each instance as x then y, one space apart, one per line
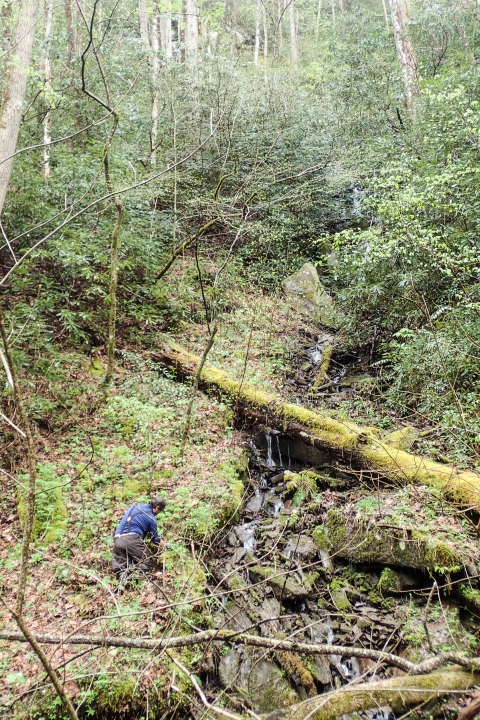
128 551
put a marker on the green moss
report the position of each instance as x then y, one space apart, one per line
469 596
389 581
339 596
320 539
336 530
440 558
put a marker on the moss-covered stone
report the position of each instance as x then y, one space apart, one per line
357 539
389 582
282 586
339 596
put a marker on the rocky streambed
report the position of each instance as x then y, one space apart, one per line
319 556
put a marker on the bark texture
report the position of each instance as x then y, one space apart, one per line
399 692
15 87
362 446
207 636
405 50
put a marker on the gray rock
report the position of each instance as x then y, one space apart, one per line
301 546
254 505
320 669
305 292
246 671
282 586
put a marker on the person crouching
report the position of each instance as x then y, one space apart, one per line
129 549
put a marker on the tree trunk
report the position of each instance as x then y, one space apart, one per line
342 6
281 12
143 17
405 51
14 93
47 85
319 12
293 35
166 35
400 692
362 447
265 45
191 40
70 32
156 39
385 12
256 52
233 28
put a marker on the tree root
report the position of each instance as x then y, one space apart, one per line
399 692
363 446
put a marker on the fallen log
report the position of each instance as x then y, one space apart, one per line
362 447
225 636
398 692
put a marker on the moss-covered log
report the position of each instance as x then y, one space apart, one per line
399 692
362 446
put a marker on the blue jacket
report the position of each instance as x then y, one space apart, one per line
141 520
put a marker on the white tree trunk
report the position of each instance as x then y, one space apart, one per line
47 67
233 29
293 35
15 87
155 72
143 16
405 51
385 12
256 52
319 12
265 44
166 35
191 40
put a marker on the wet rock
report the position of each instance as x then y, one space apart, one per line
236 617
246 670
282 586
269 611
305 292
301 546
320 669
246 534
254 505
229 667
238 555
285 450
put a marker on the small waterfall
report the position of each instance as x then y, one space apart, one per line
270 462
278 448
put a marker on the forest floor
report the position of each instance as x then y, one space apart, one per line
98 453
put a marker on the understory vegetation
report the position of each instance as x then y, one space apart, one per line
169 179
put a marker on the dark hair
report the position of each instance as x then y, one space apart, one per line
158 502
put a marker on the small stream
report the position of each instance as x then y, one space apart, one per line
278 583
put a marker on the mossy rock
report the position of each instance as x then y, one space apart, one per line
282 586
358 539
390 582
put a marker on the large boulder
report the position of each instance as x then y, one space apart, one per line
305 292
362 538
